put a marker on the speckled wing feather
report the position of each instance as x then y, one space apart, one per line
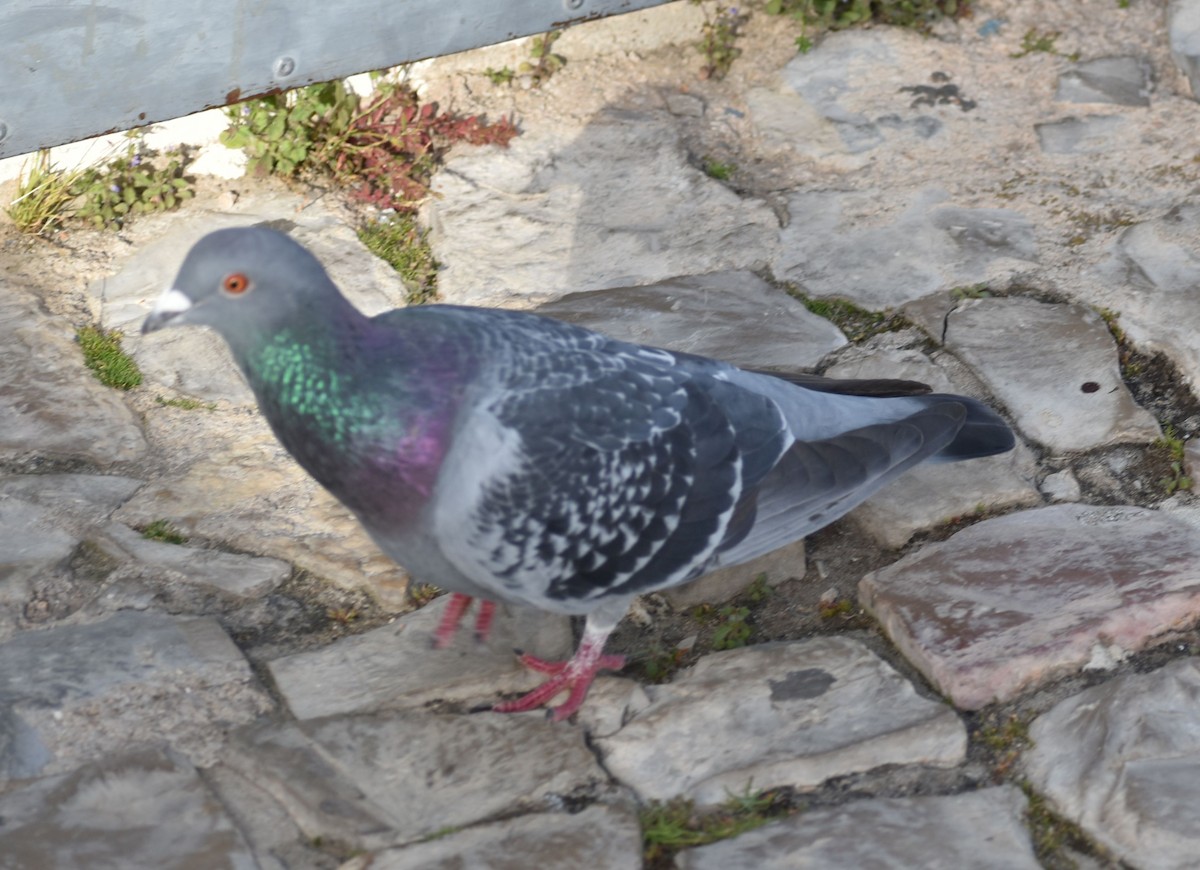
816 482
611 474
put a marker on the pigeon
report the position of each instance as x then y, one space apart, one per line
509 457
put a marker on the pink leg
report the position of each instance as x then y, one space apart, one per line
576 675
446 629
483 619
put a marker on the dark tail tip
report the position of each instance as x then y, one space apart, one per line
983 432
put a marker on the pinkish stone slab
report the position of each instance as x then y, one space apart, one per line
1018 600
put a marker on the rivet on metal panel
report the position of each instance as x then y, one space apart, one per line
573 4
3 131
284 67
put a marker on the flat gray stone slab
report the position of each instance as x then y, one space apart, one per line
816 709
1085 135
1016 601
387 779
1061 381
600 837
1124 81
983 830
143 809
89 496
929 495
30 542
839 244
32 547
549 215
233 574
1123 761
1149 275
244 490
51 405
75 693
195 361
854 98
732 316
395 667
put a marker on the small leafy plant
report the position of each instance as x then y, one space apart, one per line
102 354
543 62
44 196
718 40
1173 445
840 14
136 182
383 148
733 631
1037 41
536 71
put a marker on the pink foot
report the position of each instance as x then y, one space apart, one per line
576 674
448 627
455 609
483 620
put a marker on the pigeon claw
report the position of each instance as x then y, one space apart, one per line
575 675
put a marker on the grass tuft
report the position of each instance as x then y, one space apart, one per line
44 196
161 530
102 354
405 247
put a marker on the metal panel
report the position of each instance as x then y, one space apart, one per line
70 69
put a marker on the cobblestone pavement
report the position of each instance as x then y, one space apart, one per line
991 664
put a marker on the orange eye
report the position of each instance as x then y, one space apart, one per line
237 284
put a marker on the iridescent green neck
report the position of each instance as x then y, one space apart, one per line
297 378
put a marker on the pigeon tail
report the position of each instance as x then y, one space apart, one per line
983 432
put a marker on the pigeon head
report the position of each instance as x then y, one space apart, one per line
245 283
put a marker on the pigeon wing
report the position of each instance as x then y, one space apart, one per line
609 475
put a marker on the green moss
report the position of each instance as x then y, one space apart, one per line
857 323
161 530
676 824
185 404
1052 834
405 247
103 355
718 170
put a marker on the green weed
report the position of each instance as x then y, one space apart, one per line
717 170
543 62
1041 41
668 826
732 631
718 38
502 76
382 149
137 182
1173 446
400 242
840 14
185 403
102 354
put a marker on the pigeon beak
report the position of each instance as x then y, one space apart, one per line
167 307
